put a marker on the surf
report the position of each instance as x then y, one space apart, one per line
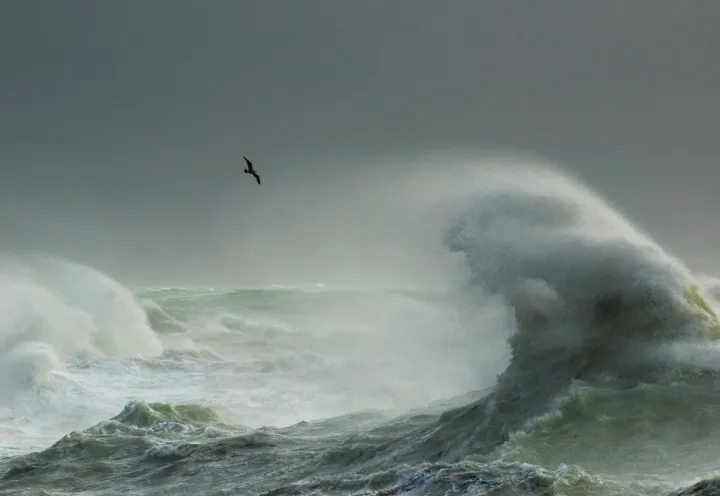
563 349
55 310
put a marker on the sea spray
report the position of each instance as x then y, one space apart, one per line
52 310
608 388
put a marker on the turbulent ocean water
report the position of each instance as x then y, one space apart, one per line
571 355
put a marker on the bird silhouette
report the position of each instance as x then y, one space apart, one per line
251 170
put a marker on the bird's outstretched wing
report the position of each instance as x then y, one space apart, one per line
257 177
250 165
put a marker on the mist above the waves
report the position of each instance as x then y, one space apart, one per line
373 221
348 223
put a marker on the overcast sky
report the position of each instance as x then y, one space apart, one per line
123 124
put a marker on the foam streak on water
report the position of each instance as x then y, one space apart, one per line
575 356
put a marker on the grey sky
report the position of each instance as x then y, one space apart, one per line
123 123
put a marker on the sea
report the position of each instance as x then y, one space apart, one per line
568 354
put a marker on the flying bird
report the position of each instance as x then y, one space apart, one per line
250 170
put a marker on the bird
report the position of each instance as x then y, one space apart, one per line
250 169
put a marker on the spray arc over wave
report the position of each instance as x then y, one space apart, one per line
55 310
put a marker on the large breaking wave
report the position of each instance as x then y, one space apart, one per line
599 310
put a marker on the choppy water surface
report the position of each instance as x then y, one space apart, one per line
575 358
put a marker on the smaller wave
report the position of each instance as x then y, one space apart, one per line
53 310
148 414
160 319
